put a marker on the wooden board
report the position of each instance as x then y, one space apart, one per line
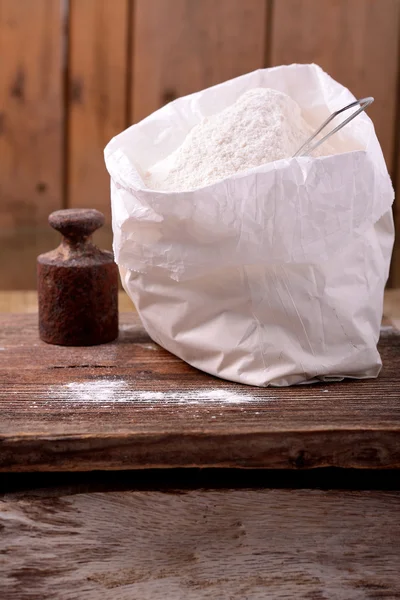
131 404
184 46
31 124
97 99
236 544
355 41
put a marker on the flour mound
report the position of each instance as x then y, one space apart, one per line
262 126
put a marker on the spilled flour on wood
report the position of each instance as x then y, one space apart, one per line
149 346
118 391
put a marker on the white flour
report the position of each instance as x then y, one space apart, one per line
119 392
263 125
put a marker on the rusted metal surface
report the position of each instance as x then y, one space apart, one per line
77 284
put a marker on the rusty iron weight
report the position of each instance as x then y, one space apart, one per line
77 284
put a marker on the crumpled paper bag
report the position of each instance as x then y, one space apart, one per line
274 276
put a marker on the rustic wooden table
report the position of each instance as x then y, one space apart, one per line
86 511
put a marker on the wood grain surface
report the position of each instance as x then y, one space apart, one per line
131 404
31 128
356 42
97 92
205 544
184 46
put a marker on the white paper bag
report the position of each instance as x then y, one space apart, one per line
274 276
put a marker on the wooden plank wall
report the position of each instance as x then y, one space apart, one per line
31 133
185 46
79 71
97 99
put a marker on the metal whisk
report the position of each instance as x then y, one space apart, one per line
308 147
